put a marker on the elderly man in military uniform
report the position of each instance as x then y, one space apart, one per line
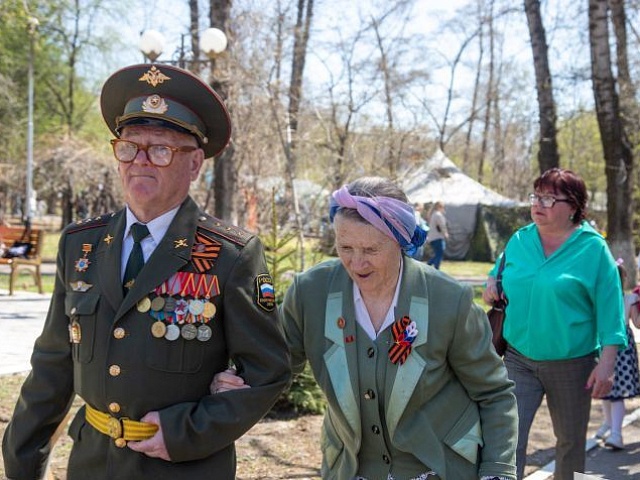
149 303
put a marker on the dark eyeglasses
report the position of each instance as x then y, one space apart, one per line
125 151
546 201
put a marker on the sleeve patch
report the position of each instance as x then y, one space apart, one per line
265 293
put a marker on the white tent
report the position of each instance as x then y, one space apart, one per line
439 179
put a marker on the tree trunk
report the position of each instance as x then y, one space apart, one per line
617 151
548 156
225 177
302 30
490 96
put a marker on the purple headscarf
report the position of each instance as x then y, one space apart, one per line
392 217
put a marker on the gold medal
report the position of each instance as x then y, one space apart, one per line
157 304
143 305
209 310
158 329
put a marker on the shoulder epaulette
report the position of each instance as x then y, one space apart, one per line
89 223
230 232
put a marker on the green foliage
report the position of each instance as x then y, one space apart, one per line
279 252
304 397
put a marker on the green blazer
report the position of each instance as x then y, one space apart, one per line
117 365
450 404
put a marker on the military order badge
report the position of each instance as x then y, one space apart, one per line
265 293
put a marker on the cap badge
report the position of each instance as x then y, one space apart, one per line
154 77
154 104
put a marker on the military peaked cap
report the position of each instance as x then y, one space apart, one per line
151 94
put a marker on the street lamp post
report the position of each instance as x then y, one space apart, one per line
33 25
213 41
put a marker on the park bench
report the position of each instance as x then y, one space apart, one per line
31 262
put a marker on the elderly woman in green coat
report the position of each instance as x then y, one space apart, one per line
414 387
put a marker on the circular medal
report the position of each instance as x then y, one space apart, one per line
169 304
173 332
209 310
181 307
204 333
158 329
196 307
157 304
144 305
189 331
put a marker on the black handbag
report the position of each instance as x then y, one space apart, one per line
496 314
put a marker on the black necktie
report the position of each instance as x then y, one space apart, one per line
136 259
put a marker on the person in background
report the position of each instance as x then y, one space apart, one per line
401 351
438 234
564 309
420 222
627 379
149 302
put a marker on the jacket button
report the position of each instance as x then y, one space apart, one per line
114 407
375 429
369 395
119 333
385 459
371 352
114 370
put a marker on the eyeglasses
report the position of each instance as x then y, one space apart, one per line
546 201
125 151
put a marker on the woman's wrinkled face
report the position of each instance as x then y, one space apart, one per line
371 258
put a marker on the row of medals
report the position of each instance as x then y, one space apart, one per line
179 317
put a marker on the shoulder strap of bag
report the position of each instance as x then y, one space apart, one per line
499 277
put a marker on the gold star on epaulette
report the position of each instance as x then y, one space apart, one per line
108 239
180 243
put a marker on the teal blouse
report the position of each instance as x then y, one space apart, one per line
564 306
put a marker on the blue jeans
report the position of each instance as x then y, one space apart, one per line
438 252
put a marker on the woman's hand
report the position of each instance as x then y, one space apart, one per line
490 293
227 381
601 378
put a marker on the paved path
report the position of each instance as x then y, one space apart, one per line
22 316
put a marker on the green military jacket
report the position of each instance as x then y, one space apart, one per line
99 344
450 404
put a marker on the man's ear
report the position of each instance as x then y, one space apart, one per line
197 160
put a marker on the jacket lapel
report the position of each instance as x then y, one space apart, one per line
108 256
341 357
413 301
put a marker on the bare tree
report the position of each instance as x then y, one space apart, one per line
548 156
225 175
617 150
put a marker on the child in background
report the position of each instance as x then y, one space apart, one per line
627 381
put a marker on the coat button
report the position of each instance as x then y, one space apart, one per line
375 429
119 333
120 442
114 370
369 395
371 352
385 459
114 407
